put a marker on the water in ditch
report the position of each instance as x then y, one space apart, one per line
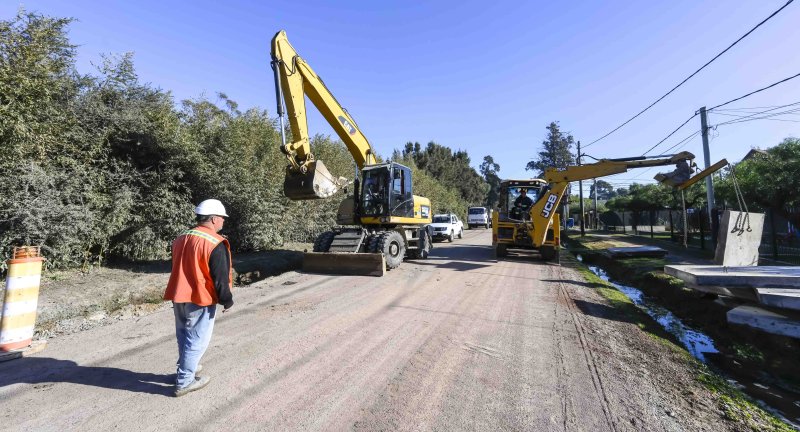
770 397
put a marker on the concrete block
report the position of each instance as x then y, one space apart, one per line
739 248
784 324
636 252
786 298
756 277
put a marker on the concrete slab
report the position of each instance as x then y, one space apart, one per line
785 324
740 292
636 252
756 277
786 298
740 247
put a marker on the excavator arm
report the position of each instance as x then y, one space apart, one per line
307 177
544 209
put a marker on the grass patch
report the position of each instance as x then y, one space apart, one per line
737 407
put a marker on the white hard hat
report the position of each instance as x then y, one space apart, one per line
210 207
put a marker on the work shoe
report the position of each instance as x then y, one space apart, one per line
199 382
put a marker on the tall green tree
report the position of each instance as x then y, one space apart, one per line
489 169
605 190
768 181
556 151
451 168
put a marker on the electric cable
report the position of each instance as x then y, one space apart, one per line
754 92
693 74
670 134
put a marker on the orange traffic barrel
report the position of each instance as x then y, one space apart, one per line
21 299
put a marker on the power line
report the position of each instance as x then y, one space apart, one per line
693 74
754 116
754 92
670 134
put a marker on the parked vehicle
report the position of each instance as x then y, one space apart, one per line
447 226
479 216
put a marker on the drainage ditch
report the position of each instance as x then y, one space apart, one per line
769 395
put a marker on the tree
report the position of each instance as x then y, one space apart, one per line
452 169
605 190
489 169
556 151
769 181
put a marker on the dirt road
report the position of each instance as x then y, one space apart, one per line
457 342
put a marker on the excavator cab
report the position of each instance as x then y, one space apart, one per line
386 191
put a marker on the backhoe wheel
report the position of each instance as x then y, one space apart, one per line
501 251
323 241
426 251
393 247
549 253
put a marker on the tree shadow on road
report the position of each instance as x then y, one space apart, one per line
44 371
576 282
602 311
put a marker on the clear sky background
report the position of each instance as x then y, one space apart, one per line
486 77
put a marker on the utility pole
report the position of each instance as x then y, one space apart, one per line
580 191
707 158
596 216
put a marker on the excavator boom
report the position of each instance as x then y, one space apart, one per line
306 176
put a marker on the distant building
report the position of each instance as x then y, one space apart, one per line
753 153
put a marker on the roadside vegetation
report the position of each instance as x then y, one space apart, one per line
102 165
733 403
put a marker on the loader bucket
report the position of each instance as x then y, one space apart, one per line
316 183
359 264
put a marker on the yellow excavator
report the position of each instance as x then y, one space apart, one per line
534 223
383 221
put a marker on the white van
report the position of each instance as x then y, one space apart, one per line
479 216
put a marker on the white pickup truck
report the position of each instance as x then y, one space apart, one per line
479 216
446 226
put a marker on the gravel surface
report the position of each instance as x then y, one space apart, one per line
457 342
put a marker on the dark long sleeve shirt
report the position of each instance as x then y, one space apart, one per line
219 265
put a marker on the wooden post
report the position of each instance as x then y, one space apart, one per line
773 235
702 232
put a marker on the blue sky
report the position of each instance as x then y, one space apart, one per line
486 77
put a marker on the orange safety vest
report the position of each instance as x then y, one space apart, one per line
190 281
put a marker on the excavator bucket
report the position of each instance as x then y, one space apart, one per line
359 264
316 183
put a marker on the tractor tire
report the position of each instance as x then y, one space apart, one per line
426 251
501 251
393 247
549 253
323 241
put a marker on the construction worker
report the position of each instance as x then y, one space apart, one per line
201 278
522 205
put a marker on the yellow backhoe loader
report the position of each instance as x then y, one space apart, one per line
536 225
383 220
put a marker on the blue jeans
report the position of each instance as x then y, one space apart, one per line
193 327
